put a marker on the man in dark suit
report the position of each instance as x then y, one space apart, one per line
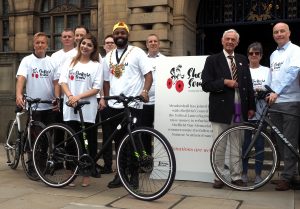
226 76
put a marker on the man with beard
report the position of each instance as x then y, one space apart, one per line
127 71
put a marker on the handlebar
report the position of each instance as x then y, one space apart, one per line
265 93
32 101
120 99
124 99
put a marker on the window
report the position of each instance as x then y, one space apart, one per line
241 11
59 14
4 42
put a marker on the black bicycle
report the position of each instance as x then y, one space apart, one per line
225 164
19 142
147 175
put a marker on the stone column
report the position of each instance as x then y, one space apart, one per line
151 17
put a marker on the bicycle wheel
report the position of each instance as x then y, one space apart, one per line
229 165
56 154
146 175
13 150
26 153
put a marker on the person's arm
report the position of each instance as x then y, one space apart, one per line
106 87
147 85
21 80
57 89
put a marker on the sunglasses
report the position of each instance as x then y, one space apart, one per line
254 53
109 42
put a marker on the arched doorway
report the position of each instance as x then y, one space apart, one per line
253 20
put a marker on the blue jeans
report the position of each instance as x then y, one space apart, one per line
259 147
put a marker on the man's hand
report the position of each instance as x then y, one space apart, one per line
145 95
271 99
231 83
20 101
56 105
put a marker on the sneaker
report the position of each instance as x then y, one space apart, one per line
245 178
258 179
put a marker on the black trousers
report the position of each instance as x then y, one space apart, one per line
147 119
108 151
93 146
45 116
113 125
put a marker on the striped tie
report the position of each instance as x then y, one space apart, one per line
233 68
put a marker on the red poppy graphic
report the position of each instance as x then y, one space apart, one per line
179 85
32 75
169 83
36 75
72 77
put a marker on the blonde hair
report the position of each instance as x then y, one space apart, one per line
40 34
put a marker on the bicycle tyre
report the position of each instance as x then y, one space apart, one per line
13 154
225 164
151 176
57 164
26 153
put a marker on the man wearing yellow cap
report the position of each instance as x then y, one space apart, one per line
127 70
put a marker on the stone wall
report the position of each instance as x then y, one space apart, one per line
172 20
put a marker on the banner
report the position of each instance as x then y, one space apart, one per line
181 114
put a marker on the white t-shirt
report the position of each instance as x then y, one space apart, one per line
285 67
261 76
81 78
155 61
131 81
60 57
39 74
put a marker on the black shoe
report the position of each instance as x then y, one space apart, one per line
218 184
115 183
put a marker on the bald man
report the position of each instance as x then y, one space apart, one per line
285 65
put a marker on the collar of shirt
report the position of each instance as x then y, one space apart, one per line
284 47
157 55
226 54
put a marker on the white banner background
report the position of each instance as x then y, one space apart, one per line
181 114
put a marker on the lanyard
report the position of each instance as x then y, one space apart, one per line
117 57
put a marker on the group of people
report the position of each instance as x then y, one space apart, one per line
78 72
232 83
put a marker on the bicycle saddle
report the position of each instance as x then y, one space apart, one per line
79 105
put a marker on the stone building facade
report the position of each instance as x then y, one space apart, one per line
185 27
21 19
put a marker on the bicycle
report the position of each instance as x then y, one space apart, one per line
19 143
225 165
146 176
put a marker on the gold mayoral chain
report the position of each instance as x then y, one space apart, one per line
117 69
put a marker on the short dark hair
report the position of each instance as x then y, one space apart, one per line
82 26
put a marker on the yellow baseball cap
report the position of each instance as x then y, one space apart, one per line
121 25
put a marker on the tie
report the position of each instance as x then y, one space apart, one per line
233 68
